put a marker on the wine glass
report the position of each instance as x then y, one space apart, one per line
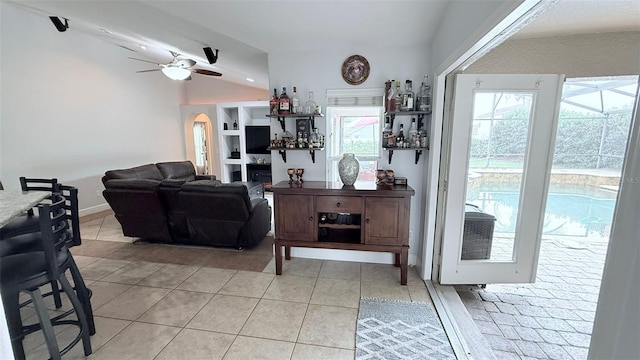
299 173
291 171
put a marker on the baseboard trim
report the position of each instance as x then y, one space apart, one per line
94 209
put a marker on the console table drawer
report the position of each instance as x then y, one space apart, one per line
339 204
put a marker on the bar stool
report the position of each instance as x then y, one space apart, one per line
27 272
32 242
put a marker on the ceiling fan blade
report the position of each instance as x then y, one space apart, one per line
143 71
206 72
147 61
185 63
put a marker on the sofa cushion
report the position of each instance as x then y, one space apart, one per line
216 187
179 170
133 184
149 172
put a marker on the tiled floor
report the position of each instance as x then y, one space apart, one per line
551 318
161 307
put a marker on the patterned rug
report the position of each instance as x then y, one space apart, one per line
392 330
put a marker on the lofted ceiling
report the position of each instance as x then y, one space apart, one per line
246 31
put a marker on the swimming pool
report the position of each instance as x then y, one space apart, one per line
583 211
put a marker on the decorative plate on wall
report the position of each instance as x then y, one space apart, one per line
355 70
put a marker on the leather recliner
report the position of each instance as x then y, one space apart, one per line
138 203
224 215
148 202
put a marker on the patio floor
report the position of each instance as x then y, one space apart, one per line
551 318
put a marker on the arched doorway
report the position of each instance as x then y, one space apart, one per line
199 143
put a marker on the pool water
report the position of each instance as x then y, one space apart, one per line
582 211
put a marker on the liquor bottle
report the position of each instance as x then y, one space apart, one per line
408 97
398 97
390 96
425 95
386 133
310 105
413 133
274 107
235 124
284 103
314 139
424 140
400 139
295 102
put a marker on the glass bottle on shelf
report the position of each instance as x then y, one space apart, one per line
284 103
390 96
408 97
425 95
424 140
314 139
386 132
400 139
310 105
398 97
235 124
295 102
274 103
413 133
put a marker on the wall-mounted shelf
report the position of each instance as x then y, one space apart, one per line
283 152
281 118
420 114
417 150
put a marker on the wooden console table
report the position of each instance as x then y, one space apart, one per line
318 214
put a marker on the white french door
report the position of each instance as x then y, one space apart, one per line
502 139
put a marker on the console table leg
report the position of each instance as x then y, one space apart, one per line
404 260
287 252
397 263
278 259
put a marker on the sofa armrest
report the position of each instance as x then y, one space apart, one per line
258 202
205 177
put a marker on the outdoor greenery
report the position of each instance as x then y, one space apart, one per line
582 141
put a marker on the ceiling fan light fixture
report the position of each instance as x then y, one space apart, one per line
176 73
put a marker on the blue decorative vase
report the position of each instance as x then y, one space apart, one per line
348 169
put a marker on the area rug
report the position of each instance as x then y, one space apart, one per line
390 330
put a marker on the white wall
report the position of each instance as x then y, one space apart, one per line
463 24
212 90
584 55
85 93
321 71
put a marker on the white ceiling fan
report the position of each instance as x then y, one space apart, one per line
178 69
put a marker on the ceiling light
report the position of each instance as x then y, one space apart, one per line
250 79
142 47
176 73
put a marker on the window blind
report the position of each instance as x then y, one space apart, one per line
355 97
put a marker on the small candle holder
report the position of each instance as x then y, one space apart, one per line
291 172
380 175
299 173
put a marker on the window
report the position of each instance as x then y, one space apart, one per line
354 120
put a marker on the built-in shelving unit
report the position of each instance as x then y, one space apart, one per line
232 142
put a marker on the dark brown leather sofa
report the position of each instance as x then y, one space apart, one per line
168 202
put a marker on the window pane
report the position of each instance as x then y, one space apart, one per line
354 130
